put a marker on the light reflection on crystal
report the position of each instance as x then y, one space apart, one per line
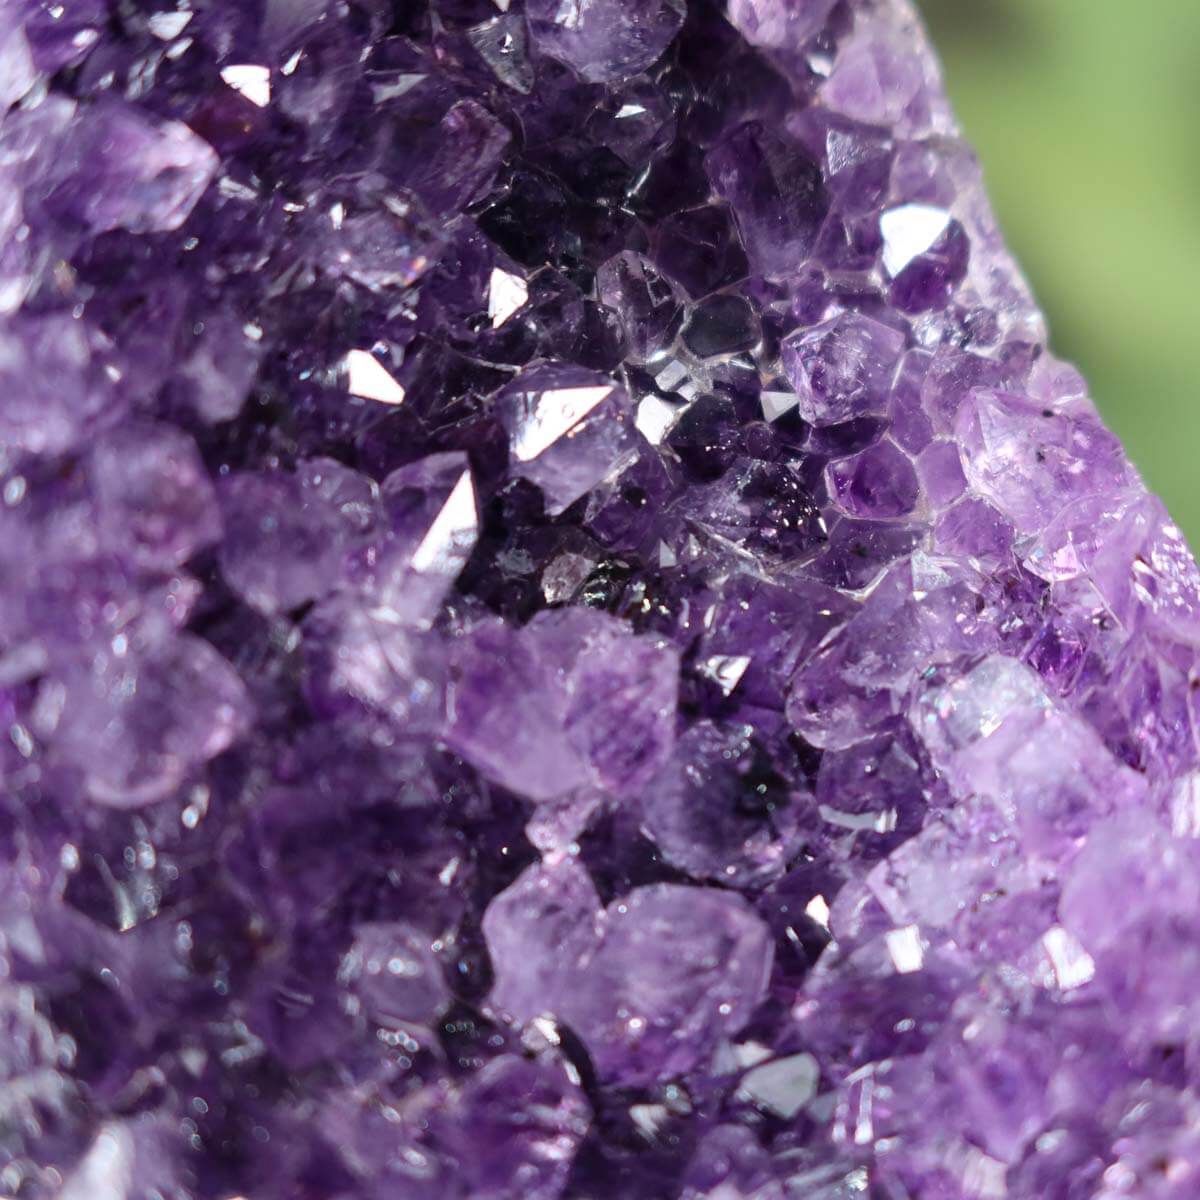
1073 966
908 232
168 25
655 417
783 1086
367 377
452 535
506 294
904 947
554 414
249 80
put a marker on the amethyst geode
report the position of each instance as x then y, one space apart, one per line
561 634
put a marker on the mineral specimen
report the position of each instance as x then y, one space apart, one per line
562 635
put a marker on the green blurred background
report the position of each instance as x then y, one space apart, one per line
1086 115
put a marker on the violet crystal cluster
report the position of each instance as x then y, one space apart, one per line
562 636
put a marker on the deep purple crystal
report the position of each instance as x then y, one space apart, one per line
562 635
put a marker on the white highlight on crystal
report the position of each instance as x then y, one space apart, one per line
817 909
776 404
1073 966
877 822
106 1172
654 417
908 231
905 949
672 375
453 532
570 14
750 1054
864 1122
368 378
726 670
556 412
168 25
506 294
784 1086
649 1118
250 80
984 1177
1185 806
396 86
974 706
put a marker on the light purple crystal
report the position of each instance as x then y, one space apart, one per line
393 973
290 532
432 521
155 504
136 722
56 392
601 704
152 176
771 25
567 430
605 39
562 634
540 931
646 1012
842 369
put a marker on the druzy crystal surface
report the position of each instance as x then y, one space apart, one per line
562 635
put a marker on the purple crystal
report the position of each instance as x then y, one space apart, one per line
602 704
843 368
562 635
730 1162
699 247
879 482
777 195
155 504
121 170
605 39
137 723
288 533
391 970
515 1129
644 1011
540 931
781 26
52 372
721 325
432 524
568 429
720 810
648 304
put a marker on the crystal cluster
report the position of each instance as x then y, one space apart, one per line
562 636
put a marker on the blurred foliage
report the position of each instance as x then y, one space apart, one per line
1085 115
